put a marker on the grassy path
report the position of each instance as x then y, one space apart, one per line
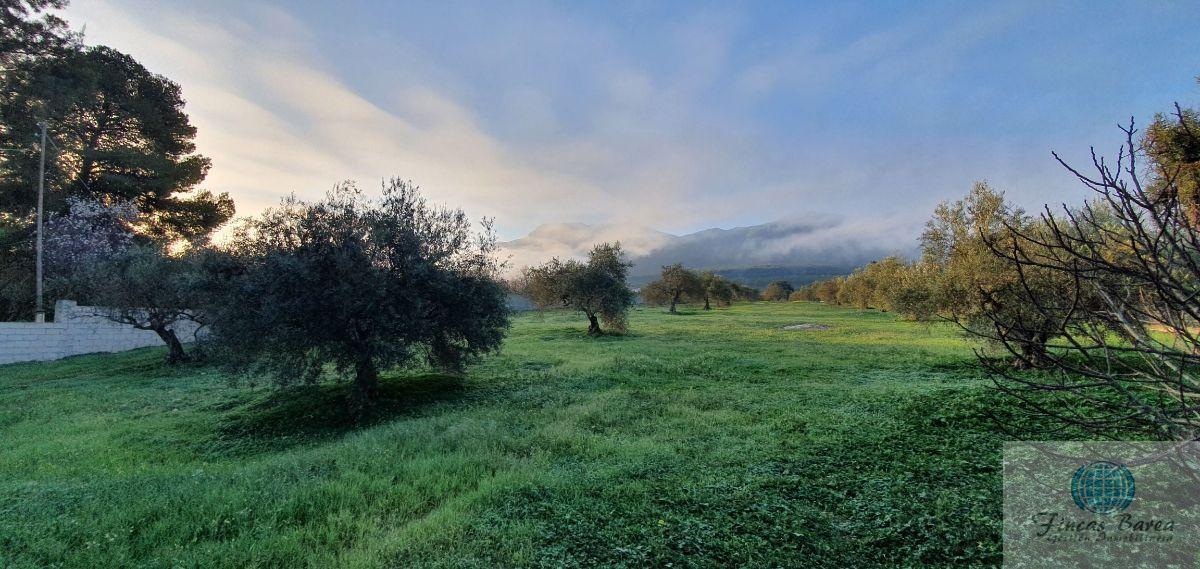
705 439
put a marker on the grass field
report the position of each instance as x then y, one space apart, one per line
704 439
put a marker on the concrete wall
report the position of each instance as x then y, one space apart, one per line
76 330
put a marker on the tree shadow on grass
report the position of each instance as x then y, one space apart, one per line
579 333
310 413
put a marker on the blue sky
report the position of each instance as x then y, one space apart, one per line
679 116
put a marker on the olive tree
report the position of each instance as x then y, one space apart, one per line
856 290
980 287
597 288
744 293
141 286
778 290
347 286
715 288
827 291
1130 262
676 284
870 286
913 296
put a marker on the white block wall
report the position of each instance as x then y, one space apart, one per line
76 330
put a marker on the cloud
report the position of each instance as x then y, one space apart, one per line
276 117
575 240
911 51
629 115
632 145
274 121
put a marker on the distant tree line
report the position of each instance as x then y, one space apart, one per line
778 291
961 277
598 288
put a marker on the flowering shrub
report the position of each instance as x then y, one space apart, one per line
90 232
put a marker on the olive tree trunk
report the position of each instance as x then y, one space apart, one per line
1033 354
366 386
175 353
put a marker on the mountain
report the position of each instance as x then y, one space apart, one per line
800 249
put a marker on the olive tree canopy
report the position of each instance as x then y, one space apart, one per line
348 285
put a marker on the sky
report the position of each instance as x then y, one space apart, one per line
677 116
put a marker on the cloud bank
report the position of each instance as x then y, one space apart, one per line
809 241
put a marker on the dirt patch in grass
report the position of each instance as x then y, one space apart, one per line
806 326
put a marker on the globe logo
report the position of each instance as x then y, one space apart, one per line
1102 487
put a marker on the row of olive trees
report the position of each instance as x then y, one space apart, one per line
679 285
1128 266
1103 297
963 277
598 288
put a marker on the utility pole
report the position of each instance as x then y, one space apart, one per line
40 313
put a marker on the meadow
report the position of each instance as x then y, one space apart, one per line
707 439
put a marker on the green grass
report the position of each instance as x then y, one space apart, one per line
705 439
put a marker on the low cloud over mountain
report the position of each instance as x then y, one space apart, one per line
810 245
574 240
